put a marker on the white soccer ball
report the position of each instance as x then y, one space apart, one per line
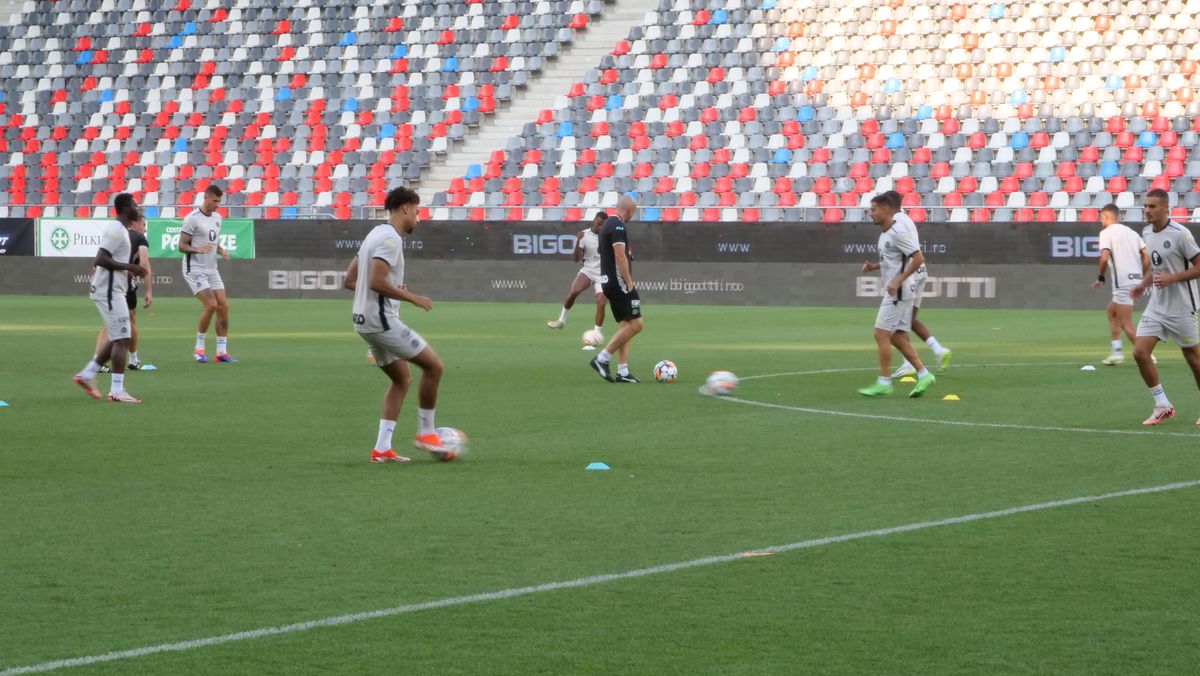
593 338
665 371
453 439
721 383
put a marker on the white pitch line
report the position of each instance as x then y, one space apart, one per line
577 583
928 421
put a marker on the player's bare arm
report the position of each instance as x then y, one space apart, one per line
144 261
381 285
104 259
623 265
185 245
917 260
578 253
1104 256
223 253
1162 279
351 280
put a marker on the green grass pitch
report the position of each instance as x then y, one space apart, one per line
240 497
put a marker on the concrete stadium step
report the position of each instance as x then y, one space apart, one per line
583 54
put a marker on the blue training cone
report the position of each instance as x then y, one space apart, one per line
596 466
5 403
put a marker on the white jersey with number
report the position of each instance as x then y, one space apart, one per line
1125 255
896 246
372 312
205 230
108 285
590 243
1171 252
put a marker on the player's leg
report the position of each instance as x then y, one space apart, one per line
940 353
1143 354
118 324
601 301
883 354
208 302
1125 323
1114 334
396 370
222 312
578 286
134 364
432 370
925 379
623 374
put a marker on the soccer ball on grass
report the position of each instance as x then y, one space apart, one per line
665 371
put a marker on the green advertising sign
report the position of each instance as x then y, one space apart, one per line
237 236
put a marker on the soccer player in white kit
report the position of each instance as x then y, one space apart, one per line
899 259
109 283
940 353
587 249
1171 312
1123 256
200 245
376 276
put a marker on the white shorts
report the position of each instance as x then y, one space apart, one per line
596 286
116 320
1121 296
1180 328
919 286
894 315
398 342
200 280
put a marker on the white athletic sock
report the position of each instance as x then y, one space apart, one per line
935 346
884 380
199 342
425 421
92 368
222 345
604 357
383 442
622 369
133 358
562 316
118 383
1160 397
1116 346
597 328
923 372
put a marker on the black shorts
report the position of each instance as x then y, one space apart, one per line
625 306
131 299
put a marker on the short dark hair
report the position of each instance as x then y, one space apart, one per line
600 216
896 199
1111 209
1160 194
884 201
398 197
125 205
214 190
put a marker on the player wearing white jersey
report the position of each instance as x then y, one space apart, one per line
376 276
1123 256
110 280
940 353
199 242
1171 312
899 259
587 249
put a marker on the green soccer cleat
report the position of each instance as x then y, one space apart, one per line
944 362
876 390
923 383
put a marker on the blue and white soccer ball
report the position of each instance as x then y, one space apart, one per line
665 371
721 383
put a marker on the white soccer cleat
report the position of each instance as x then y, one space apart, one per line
906 369
555 324
1159 414
1114 359
123 397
